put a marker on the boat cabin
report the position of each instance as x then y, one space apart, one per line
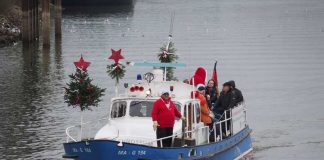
130 114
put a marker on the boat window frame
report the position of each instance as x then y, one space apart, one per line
195 118
124 113
177 104
139 100
197 112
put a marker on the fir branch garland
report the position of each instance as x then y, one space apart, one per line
168 56
116 71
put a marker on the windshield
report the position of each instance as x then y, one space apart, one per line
140 108
143 108
118 109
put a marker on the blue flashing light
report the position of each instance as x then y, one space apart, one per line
139 77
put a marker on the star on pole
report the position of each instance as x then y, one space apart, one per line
116 55
82 64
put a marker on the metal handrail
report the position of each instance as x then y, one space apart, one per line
196 129
67 130
174 135
226 119
160 139
68 136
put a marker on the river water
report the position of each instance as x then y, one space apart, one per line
273 49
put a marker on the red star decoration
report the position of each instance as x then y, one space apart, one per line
116 55
82 64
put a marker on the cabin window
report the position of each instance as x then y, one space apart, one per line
178 106
144 108
118 109
191 113
197 112
140 108
188 112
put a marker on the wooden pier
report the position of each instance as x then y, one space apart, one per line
31 21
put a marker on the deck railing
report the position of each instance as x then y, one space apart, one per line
216 127
89 128
94 124
160 140
218 131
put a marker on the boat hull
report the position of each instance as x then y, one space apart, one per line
230 148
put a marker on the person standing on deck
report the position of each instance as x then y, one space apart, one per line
204 109
163 116
211 94
237 94
225 100
205 113
228 99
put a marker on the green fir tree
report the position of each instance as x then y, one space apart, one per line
81 93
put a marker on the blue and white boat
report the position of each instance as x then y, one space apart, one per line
127 134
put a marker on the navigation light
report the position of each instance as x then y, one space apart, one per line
139 77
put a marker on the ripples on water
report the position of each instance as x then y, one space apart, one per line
273 49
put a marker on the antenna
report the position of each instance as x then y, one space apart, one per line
171 24
170 31
169 41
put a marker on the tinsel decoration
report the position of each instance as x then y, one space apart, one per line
168 56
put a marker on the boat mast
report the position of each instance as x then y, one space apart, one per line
169 41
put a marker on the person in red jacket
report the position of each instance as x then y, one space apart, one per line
163 115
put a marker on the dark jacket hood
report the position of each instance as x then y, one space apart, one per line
231 83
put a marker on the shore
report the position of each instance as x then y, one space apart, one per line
10 26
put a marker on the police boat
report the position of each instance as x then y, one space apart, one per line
127 133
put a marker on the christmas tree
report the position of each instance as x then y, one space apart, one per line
168 55
80 92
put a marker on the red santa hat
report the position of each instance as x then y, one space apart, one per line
199 77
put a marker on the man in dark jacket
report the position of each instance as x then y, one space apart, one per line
229 97
226 100
236 93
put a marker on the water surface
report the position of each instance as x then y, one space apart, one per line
273 49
